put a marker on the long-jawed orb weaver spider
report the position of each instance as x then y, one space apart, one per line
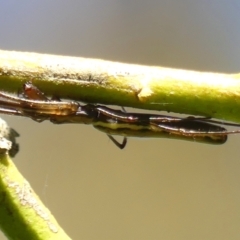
34 104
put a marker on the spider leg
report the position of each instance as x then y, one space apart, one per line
118 114
38 108
143 118
10 111
119 145
12 108
209 120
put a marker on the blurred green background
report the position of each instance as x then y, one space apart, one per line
153 189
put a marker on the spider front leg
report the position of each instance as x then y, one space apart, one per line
35 105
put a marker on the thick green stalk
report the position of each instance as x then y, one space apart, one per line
97 81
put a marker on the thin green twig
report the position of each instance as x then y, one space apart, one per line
22 214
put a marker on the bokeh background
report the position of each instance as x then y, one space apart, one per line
153 189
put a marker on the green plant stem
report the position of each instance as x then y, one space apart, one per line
96 81
22 214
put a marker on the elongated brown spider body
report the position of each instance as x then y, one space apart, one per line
37 106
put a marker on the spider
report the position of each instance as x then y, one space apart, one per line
35 105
